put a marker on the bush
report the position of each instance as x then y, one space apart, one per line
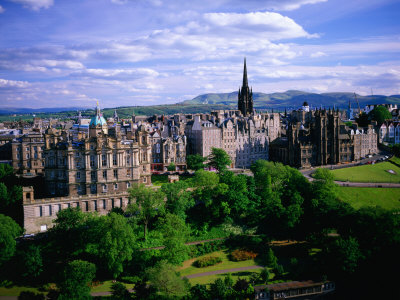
130 279
205 248
207 261
28 295
241 255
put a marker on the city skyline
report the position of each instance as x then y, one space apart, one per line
73 53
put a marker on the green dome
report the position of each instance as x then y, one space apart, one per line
97 120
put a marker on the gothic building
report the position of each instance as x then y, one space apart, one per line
245 95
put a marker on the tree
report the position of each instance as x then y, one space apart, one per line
195 162
179 199
31 262
119 291
75 280
199 292
218 289
205 179
171 167
264 275
380 114
148 203
271 260
345 254
5 171
175 233
28 295
219 159
166 280
9 230
363 120
112 241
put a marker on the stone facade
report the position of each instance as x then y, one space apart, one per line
27 154
389 132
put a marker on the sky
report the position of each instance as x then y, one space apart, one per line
72 53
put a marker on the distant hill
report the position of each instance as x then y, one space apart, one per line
208 102
294 99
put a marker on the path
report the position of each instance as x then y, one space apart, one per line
233 270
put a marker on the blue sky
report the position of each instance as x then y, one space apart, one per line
64 53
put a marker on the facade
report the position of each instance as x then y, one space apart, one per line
165 151
389 132
28 154
323 140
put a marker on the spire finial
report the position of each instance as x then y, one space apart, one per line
245 82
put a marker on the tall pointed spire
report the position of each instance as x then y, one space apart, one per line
245 82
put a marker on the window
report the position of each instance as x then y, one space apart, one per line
18 155
91 147
93 176
105 175
144 168
128 172
128 185
128 160
144 179
40 211
103 160
115 174
115 186
78 175
95 204
86 206
93 188
104 204
92 160
43 228
104 188
27 148
114 159
50 210
27 155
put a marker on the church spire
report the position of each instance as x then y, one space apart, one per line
245 82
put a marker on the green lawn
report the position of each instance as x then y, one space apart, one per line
388 198
369 173
235 276
188 269
106 287
16 290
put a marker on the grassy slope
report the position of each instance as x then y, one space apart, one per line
388 198
369 173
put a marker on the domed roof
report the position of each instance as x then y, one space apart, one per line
97 120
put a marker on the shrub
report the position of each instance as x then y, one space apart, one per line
130 279
240 255
207 261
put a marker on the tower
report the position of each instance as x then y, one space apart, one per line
97 124
245 96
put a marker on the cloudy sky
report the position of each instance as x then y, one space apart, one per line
64 53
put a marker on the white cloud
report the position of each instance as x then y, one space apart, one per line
1 9
5 83
318 54
35 4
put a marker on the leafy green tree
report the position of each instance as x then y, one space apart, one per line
241 285
219 159
279 270
363 120
179 199
199 292
166 280
380 114
195 162
5 171
171 167
9 230
175 232
119 291
75 280
345 254
112 241
271 260
31 261
147 204
218 289
69 234
228 280
264 275
205 179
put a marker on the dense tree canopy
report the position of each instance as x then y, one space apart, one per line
9 230
219 159
147 203
195 162
380 114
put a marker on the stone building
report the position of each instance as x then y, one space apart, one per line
171 149
27 154
245 95
101 163
325 140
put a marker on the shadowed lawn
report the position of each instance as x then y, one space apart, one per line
211 278
188 269
388 198
106 286
369 173
16 290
